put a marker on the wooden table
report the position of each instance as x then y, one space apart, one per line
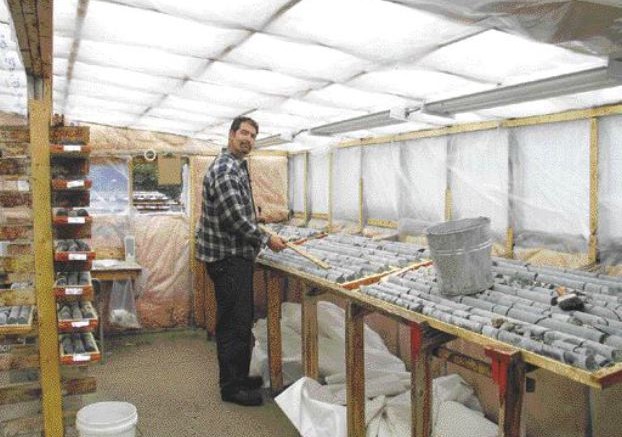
108 271
507 367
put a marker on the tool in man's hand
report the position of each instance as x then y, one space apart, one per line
568 301
298 249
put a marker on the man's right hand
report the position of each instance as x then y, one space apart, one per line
276 243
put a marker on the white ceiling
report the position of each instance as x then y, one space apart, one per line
188 67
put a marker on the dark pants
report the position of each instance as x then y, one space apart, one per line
233 283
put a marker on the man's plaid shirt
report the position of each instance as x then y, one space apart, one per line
228 225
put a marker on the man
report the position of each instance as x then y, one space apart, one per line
228 241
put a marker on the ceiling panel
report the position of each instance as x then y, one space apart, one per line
116 23
295 58
255 79
373 29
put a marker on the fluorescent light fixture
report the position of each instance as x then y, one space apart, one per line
573 83
378 119
274 140
423 116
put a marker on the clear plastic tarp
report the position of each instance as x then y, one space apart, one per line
381 172
550 185
111 187
479 177
346 182
610 190
425 179
318 182
297 183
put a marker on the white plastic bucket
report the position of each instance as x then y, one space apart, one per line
461 250
110 419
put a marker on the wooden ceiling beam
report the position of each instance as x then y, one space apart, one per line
33 20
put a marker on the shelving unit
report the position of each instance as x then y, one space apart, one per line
73 287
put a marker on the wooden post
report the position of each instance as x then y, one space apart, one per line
361 208
310 361
39 116
355 369
508 372
306 188
423 340
421 390
330 190
275 351
594 150
594 413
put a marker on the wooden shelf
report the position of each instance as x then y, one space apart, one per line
71 221
70 150
80 359
74 256
19 328
71 185
14 166
12 199
83 325
70 198
17 232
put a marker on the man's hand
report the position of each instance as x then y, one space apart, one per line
276 243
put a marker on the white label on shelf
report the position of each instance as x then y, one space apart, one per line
81 357
77 257
73 291
23 186
75 184
72 148
80 220
80 324
5 348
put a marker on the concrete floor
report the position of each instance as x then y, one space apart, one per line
172 379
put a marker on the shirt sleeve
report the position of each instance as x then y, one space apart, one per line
234 213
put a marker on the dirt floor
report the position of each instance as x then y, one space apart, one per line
172 379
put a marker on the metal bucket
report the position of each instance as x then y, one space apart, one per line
461 253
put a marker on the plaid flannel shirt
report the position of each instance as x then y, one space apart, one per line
228 224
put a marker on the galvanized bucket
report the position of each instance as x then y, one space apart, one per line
461 253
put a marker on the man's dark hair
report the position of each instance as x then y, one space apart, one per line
237 122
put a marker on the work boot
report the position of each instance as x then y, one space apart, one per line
246 398
252 383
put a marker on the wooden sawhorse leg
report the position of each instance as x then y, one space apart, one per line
508 372
274 286
423 340
355 369
310 359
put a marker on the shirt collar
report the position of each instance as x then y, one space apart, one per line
225 151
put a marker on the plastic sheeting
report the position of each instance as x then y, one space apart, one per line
551 185
591 25
111 186
381 181
346 181
269 181
165 296
319 410
318 182
425 170
476 190
610 185
297 183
